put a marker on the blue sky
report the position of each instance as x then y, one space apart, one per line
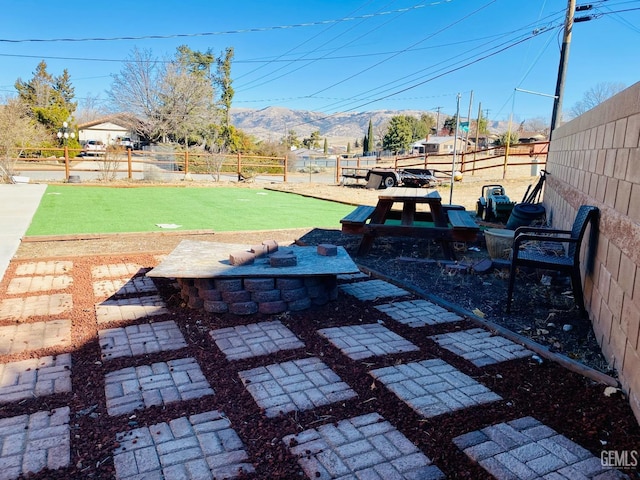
339 55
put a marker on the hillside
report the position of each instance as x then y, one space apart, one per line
272 123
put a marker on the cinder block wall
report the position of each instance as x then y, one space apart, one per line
595 160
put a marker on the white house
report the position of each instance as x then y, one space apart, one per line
437 144
106 129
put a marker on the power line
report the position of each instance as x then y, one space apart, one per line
423 82
225 32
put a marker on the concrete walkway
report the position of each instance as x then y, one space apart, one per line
19 203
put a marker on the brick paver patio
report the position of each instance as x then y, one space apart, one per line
418 313
481 347
362 341
141 387
115 270
246 341
18 338
366 447
527 449
140 339
32 443
38 305
296 385
372 290
19 285
433 387
131 286
52 267
202 446
118 310
35 377
203 443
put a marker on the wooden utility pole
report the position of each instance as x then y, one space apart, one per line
466 137
438 121
562 68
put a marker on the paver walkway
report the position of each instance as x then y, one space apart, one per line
140 339
481 347
136 388
200 446
361 447
206 444
31 443
35 377
297 385
433 387
527 449
363 341
246 341
418 313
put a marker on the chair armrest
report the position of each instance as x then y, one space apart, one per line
526 237
540 230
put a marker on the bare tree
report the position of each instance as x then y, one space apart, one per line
17 131
91 108
595 96
172 100
186 101
135 90
537 124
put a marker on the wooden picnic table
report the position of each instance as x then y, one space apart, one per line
450 223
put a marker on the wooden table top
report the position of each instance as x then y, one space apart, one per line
407 193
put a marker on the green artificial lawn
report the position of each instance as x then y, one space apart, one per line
67 209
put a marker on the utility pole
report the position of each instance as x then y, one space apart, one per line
466 138
455 152
437 120
562 68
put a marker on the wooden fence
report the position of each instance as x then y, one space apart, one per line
128 162
517 160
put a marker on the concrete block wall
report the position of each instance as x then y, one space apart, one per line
595 160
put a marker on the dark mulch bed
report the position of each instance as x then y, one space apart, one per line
543 309
568 402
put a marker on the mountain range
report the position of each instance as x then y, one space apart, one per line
273 123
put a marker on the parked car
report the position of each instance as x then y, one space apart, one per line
94 147
125 142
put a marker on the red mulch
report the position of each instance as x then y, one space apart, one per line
566 401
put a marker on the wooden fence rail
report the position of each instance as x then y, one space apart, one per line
518 160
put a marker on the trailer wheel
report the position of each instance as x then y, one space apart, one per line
389 181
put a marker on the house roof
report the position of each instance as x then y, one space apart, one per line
440 139
118 118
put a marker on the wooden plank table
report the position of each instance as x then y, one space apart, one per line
442 230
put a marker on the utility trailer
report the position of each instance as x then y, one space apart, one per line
391 177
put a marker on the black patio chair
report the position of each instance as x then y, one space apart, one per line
569 263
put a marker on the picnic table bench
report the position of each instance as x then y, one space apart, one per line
354 222
450 223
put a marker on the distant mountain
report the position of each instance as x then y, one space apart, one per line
273 123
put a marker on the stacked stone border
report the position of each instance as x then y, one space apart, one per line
249 295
